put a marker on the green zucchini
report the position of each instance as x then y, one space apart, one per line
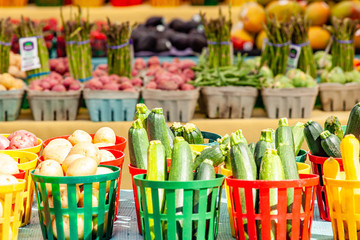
142 113
243 167
192 134
283 134
138 145
273 137
298 135
331 144
171 136
271 169
333 125
252 148
177 129
241 136
312 133
157 129
224 143
214 153
353 124
264 143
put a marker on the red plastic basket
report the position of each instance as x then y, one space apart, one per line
317 168
123 3
118 162
136 171
120 143
304 197
20 175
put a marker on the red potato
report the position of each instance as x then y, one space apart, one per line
166 65
154 61
151 85
140 64
134 72
45 84
61 68
123 79
189 73
174 69
67 74
187 87
52 82
36 88
54 75
167 85
176 60
102 67
68 81
26 134
94 84
53 62
114 77
20 142
186 63
125 85
74 86
4 142
58 88
99 73
111 86
177 79
137 82
104 79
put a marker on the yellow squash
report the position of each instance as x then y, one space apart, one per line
350 156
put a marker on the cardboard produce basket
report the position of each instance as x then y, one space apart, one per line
178 106
10 104
54 106
107 105
339 97
289 102
229 102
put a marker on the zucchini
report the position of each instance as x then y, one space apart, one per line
298 136
213 153
243 167
157 129
142 113
252 148
157 171
224 143
333 125
138 145
331 144
205 171
353 124
312 131
273 137
177 129
264 143
271 169
171 136
241 136
283 134
192 134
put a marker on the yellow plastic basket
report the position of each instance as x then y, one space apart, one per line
345 218
87 3
11 200
27 162
197 147
35 149
165 3
303 168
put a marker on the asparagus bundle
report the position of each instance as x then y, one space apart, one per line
28 28
217 32
300 38
276 51
78 49
5 44
118 50
342 49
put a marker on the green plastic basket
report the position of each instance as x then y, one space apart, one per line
83 218
178 223
301 157
210 138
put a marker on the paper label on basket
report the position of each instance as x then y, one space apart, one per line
294 54
29 53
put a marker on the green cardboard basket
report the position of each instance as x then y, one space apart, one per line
301 157
81 219
192 220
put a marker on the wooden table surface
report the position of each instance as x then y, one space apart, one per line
125 226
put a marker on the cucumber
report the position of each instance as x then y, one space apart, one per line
177 129
252 148
353 124
283 134
205 171
243 167
138 145
213 153
333 125
192 134
298 135
264 143
312 133
157 129
142 113
271 169
331 144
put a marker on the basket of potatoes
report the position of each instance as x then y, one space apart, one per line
11 97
